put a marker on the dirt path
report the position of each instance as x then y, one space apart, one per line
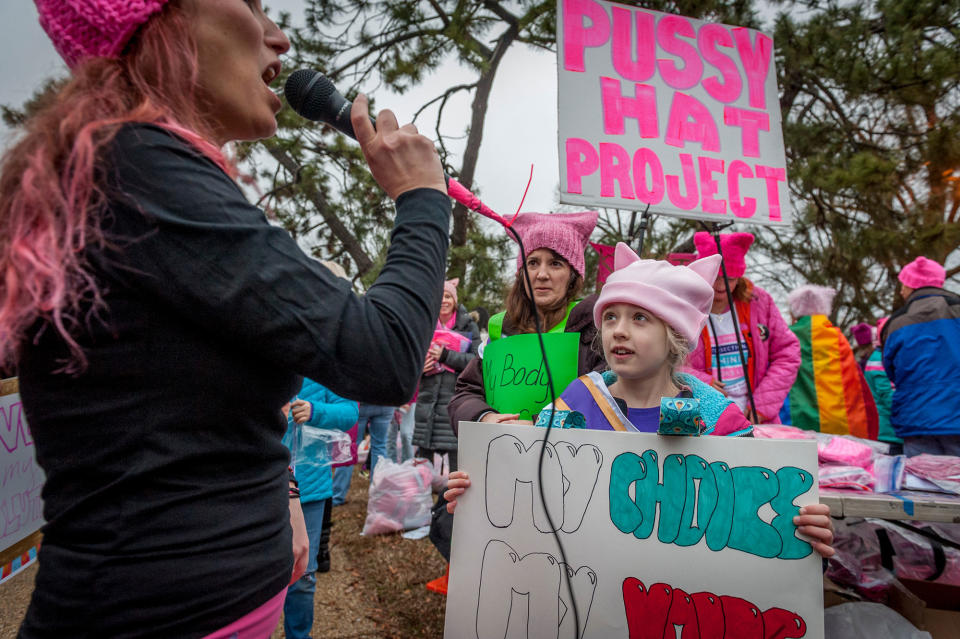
375 588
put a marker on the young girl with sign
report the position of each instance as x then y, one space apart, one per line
648 314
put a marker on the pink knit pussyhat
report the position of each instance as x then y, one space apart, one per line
922 272
450 286
734 245
681 296
565 233
83 29
811 299
862 334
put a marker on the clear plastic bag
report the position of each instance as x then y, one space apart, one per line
847 451
866 620
888 471
316 447
400 496
363 451
857 563
915 555
941 470
336 443
865 546
837 476
780 431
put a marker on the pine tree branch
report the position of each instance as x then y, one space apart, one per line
337 227
444 97
445 18
380 48
502 13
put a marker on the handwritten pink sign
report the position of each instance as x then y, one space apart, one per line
667 111
21 480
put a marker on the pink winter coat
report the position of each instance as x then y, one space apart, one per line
776 353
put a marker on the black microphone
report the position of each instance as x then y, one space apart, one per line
312 95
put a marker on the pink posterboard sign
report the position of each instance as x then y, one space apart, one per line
21 508
665 111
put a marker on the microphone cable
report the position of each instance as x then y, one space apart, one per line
313 96
528 294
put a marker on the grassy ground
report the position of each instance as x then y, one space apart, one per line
374 590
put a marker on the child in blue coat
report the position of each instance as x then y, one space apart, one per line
317 407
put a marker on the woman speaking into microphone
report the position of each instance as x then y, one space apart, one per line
158 322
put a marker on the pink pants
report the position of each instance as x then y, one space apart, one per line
258 624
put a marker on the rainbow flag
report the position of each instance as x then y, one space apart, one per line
830 394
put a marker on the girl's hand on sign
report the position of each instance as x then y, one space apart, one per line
457 483
814 522
719 386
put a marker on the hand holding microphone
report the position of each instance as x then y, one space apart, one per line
399 158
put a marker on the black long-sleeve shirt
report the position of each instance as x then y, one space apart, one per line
166 500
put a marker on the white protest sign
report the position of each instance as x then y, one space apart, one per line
665 537
21 480
669 112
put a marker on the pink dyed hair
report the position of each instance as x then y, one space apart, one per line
50 198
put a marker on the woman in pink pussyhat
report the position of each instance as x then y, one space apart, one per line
920 273
649 313
771 349
921 356
158 322
445 361
554 244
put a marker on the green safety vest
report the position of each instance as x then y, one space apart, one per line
495 325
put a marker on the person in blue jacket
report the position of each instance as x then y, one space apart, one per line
315 406
921 354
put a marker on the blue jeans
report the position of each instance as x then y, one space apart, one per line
341 484
298 606
932 445
379 420
406 425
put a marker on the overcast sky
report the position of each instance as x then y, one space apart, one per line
521 124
